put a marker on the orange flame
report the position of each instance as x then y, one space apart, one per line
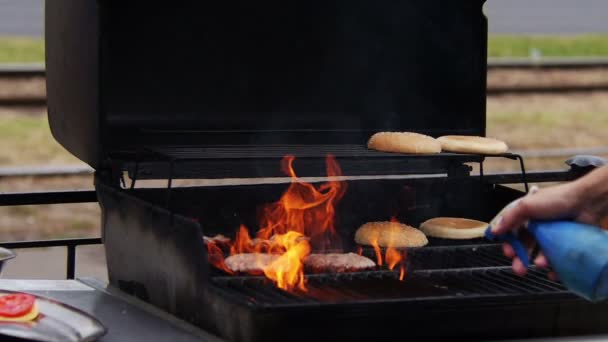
288 270
305 209
378 251
301 219
392 256
242 242
216 257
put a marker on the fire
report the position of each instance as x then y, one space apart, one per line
305 209
392 256
288 270
378 252
302 219
216 257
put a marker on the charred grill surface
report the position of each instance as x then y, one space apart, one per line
384 286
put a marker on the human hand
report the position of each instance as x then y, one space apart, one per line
584 200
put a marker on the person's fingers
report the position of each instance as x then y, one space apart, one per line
512 218
508 250
528 240
550 203
552 276
518 267
541 261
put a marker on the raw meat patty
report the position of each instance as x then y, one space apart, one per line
337 262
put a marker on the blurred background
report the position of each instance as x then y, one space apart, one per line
547 98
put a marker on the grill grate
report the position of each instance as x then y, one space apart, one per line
451 257
227 161
383 286
302 151
458 257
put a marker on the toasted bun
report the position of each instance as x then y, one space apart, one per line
390 234
453 228
404 142
30 316
471 144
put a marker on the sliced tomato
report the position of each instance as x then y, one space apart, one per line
15 305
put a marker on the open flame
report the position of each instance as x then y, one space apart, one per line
392 256
301 219
288 270
305 209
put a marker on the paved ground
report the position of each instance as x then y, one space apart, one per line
49 263
21 17
25 17
547 16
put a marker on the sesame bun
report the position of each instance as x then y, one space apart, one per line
390 234
404 142
472 144
454 228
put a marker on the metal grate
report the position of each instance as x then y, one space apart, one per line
458 257
228 161
475 255
278 151
383 286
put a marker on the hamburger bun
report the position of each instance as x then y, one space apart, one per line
472 144
404 142
453 228
390 234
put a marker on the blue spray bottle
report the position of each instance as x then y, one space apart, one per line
577 252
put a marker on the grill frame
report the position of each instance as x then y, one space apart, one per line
479 317
185 284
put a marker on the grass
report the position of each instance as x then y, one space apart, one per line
548 46
27 139
549 121
21 50
26 50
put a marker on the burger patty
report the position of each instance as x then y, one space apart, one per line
249 262
218 239
337 262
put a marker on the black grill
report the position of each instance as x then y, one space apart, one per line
301 151
259 81
383 286
264 161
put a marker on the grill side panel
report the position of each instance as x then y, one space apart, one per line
158 257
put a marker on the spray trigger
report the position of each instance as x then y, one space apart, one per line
513 240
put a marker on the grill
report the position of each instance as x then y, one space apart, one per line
200 90
374 287
227 161
363 305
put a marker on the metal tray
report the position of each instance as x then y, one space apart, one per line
56 322
5 254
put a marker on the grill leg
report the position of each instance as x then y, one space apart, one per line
71 262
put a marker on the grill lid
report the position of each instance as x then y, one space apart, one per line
127 75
